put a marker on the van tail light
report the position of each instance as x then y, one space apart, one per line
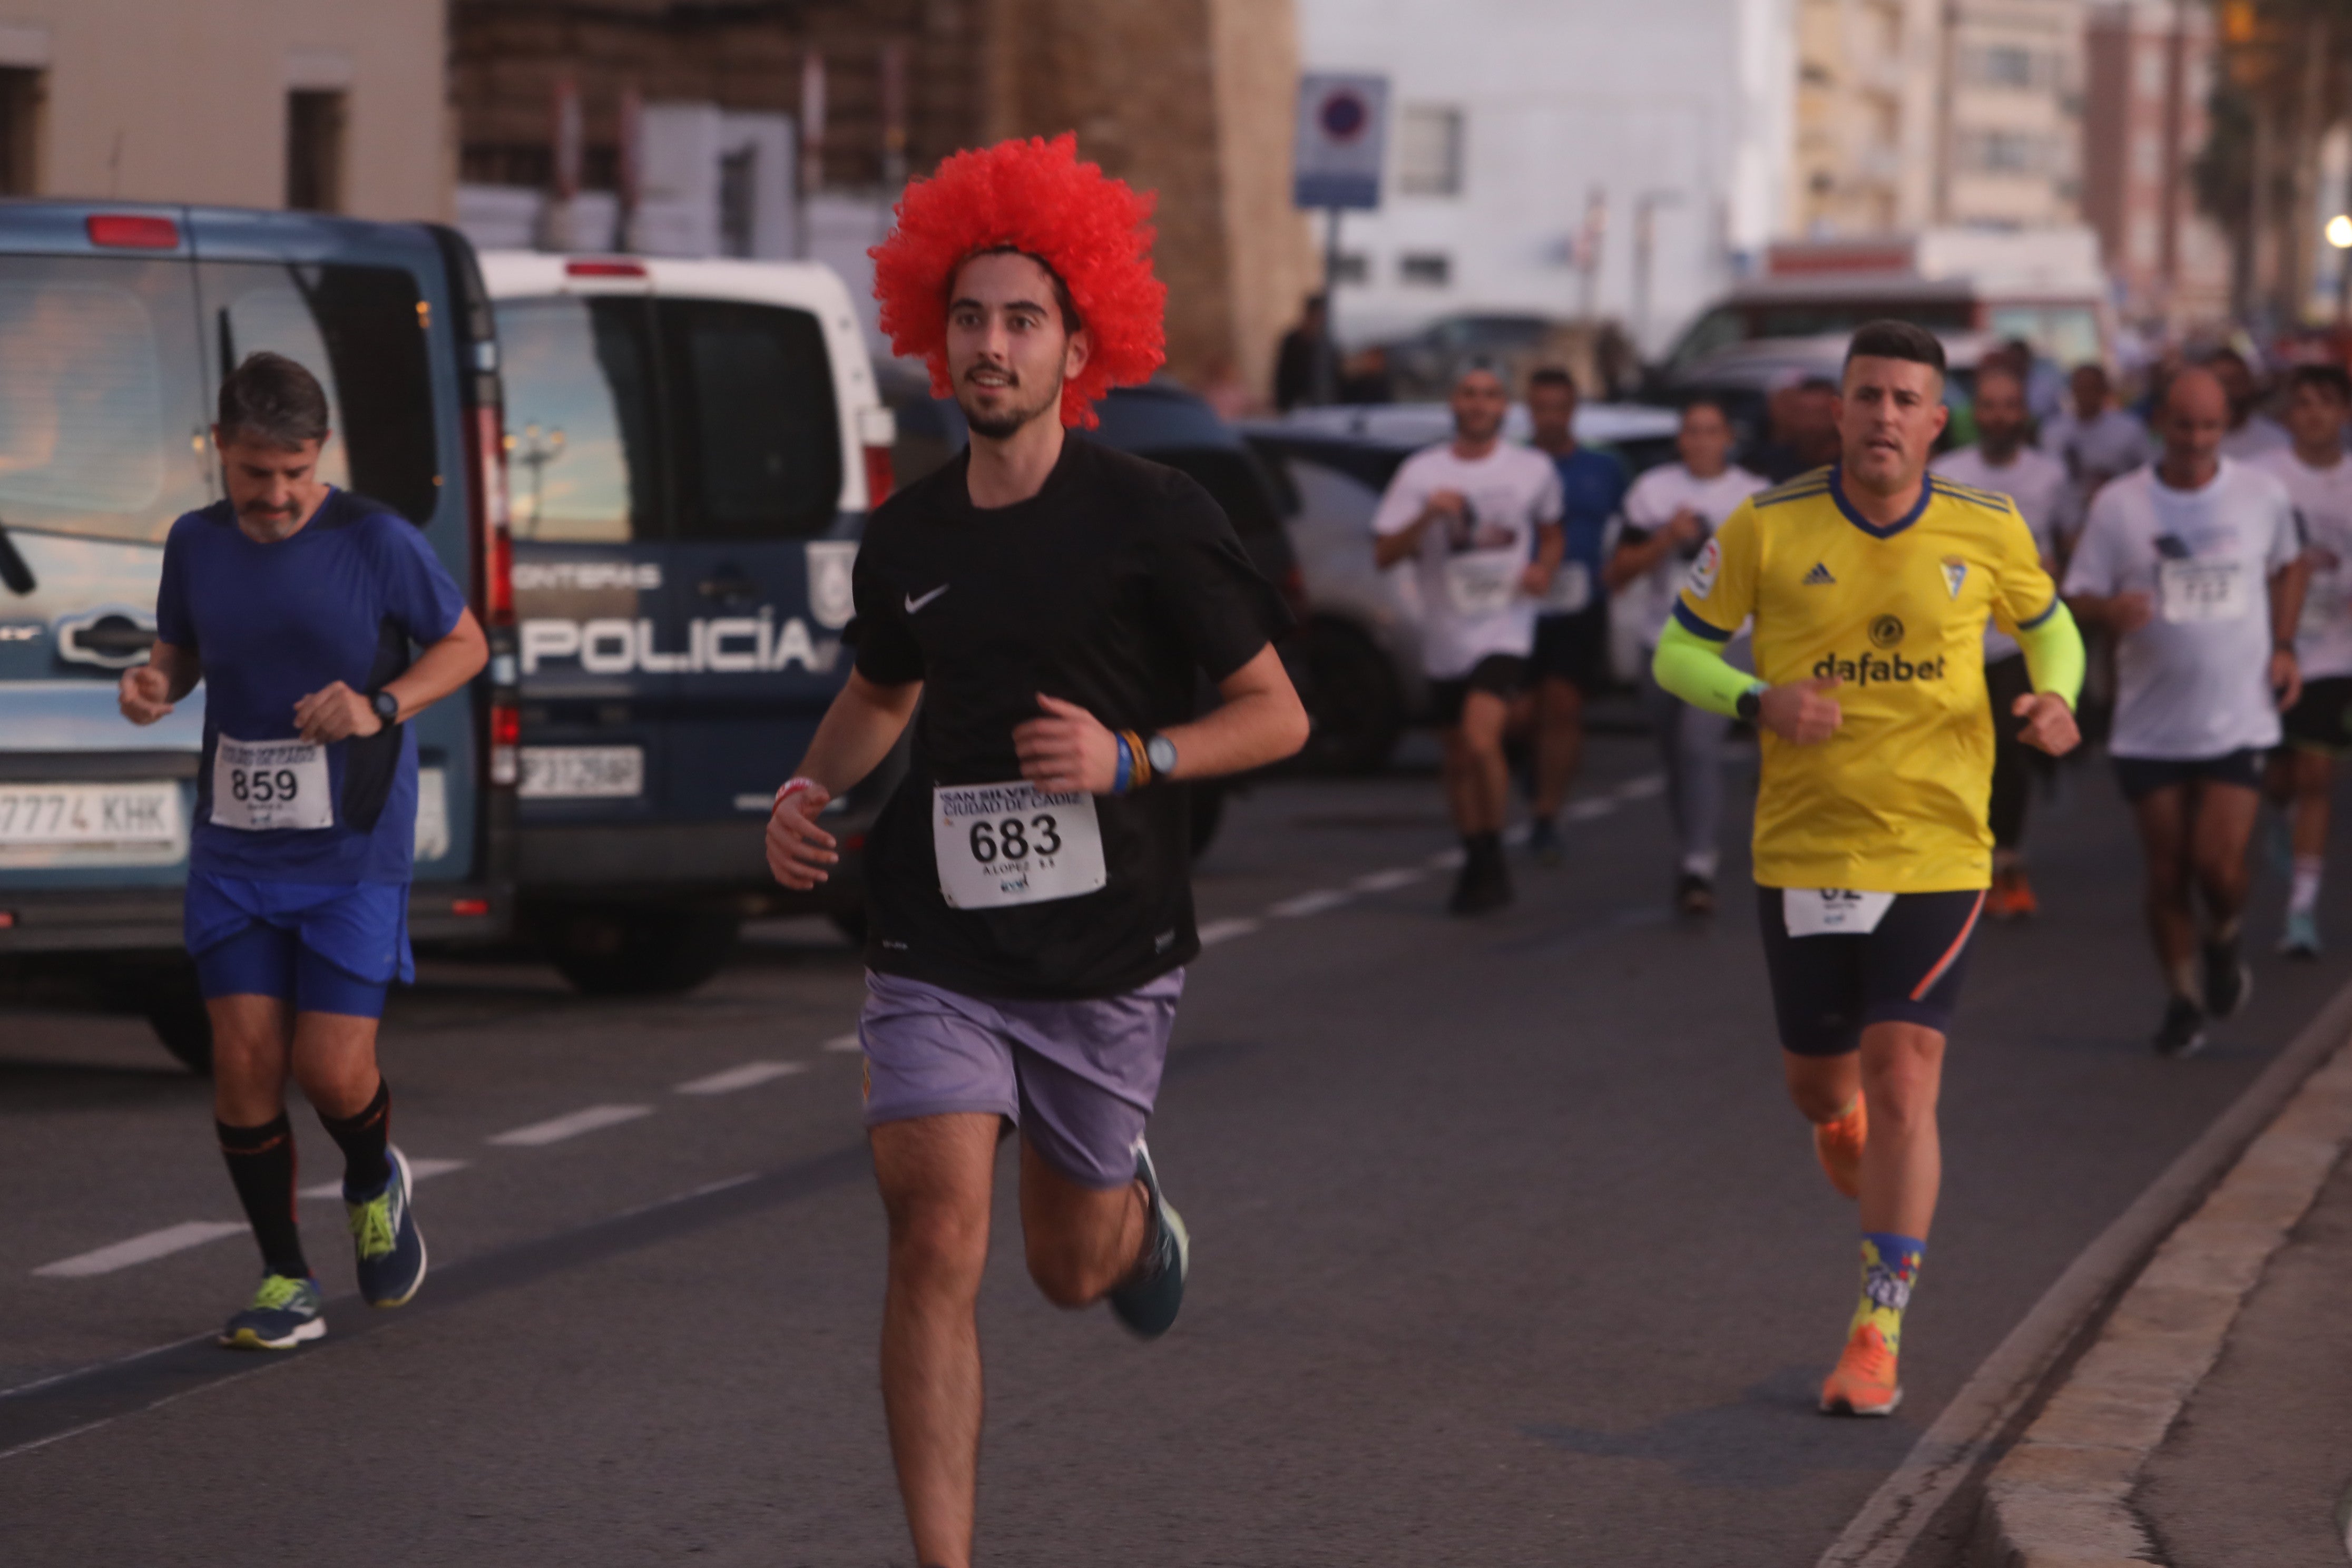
878 432
878 477
498 536
506 744
475 907
132 231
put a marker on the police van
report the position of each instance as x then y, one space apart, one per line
117 324
692 448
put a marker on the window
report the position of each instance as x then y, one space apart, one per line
2151 70
361 330
580 420
758 441
2002 152
1354 267
1429 151
314 152
1427 269
2147 156
2003 65
20 124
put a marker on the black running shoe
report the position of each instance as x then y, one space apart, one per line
1148 1301
2229 980
1484 886
1543 842
1694 894
2182 1032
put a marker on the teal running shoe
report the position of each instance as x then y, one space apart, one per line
1148 1301
389 1248
2300 939
283 1313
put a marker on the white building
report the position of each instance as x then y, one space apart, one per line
1532 142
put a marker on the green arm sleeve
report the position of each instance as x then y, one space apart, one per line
2053 653
1694 669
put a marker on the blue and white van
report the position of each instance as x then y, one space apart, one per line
117 324
692 448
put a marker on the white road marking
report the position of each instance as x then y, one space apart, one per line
556 1129
1586 810
418 1170
141 1248
844 1043
1389 881
1642 787
1446 860
748 1076
1216 931
1313 903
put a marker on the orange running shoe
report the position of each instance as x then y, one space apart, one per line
1863 1383
2011 898
1838 1145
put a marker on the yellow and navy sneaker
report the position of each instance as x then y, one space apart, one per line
390 1248
1864 1381
283 1313
1148 1301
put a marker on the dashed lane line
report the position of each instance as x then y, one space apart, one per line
1313 903
1390 880
1216 931
418 1171
144 1249
751 1075
844 1044
556 1129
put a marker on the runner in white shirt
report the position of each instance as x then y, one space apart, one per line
1482 519
2318 728
2192 566
1670 513
2252 433
2094 441
2037 482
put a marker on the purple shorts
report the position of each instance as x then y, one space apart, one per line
1078 1077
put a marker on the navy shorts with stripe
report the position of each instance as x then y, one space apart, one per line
1827 989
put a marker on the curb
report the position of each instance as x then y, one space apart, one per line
2061 1496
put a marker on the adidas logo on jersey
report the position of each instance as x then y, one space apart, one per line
1819 577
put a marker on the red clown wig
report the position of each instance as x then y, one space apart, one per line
1035 197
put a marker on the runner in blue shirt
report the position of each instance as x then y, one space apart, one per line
296 605
1571 657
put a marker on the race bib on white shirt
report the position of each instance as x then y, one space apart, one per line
1833 912
262 785
1572 590
1482 584
1015 844
2198 591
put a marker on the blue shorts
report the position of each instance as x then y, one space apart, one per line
1078 1077
325 947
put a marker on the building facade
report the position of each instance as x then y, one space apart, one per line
2149 72
1569 158
1868 103
337 105
826 106
2012 142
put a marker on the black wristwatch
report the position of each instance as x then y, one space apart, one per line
1160 753
1750 705
386 706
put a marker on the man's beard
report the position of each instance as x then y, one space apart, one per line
1005 424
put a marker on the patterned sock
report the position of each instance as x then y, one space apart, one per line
261 1162
363 1138
2304 898
1890 1266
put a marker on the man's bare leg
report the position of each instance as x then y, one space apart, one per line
935 1174
1478 779
1081 1242
1898 1072
2163 818
1560 743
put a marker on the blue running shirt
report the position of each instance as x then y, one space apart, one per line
1593 488
341 600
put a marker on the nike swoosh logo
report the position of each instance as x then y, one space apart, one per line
913 603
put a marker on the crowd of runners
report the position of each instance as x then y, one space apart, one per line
1897 627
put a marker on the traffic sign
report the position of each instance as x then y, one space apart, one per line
1342 136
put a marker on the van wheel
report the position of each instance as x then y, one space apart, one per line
1353 706
175 1007
637 952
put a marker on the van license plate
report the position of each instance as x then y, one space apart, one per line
582 772
92 823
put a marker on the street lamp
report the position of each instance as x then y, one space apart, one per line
2339 235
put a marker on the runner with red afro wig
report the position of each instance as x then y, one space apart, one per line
1091 232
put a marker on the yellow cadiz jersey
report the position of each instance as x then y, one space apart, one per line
1895 801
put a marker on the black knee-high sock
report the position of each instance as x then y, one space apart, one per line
363 1138
261 1164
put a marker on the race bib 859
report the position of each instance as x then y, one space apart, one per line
261 786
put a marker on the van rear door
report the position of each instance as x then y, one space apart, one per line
758 587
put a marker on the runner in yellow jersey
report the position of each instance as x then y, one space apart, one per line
1870 583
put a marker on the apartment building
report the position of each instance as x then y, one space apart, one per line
2148 73
2012 142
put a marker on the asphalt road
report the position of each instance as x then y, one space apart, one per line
1508 1248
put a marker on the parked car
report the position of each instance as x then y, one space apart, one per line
694 447
117 324
1169 424
1361 650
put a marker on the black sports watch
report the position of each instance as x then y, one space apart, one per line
1160 753
386 706
1750 705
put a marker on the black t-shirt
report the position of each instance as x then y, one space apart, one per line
1114 587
